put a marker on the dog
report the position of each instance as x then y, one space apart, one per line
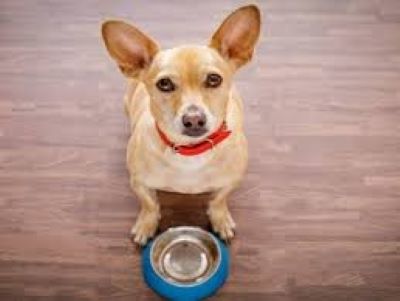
186 116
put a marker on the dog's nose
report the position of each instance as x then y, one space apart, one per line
194 122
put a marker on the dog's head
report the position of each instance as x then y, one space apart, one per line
189 86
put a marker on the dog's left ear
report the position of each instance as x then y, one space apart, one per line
235 39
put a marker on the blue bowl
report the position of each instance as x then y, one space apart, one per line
185 264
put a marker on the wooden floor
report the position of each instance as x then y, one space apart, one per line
319 212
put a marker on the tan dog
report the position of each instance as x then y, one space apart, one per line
186 116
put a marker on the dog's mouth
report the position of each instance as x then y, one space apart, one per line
194 132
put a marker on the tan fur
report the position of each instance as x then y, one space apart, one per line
153 165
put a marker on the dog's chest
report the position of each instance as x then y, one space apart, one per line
190 174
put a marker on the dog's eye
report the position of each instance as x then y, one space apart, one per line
165 85
213 80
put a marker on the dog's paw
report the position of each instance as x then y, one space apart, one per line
222 223
145 227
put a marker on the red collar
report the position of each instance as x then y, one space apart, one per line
198 148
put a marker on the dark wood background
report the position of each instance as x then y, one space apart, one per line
319 212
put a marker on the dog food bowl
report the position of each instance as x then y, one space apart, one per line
185 264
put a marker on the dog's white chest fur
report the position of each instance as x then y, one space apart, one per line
182 173
188 174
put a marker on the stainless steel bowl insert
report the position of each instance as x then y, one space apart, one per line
185 255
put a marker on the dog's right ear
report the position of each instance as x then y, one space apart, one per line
131 48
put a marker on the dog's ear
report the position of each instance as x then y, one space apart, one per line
236 37
130 47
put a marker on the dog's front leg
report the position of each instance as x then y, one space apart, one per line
149 215
220 217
